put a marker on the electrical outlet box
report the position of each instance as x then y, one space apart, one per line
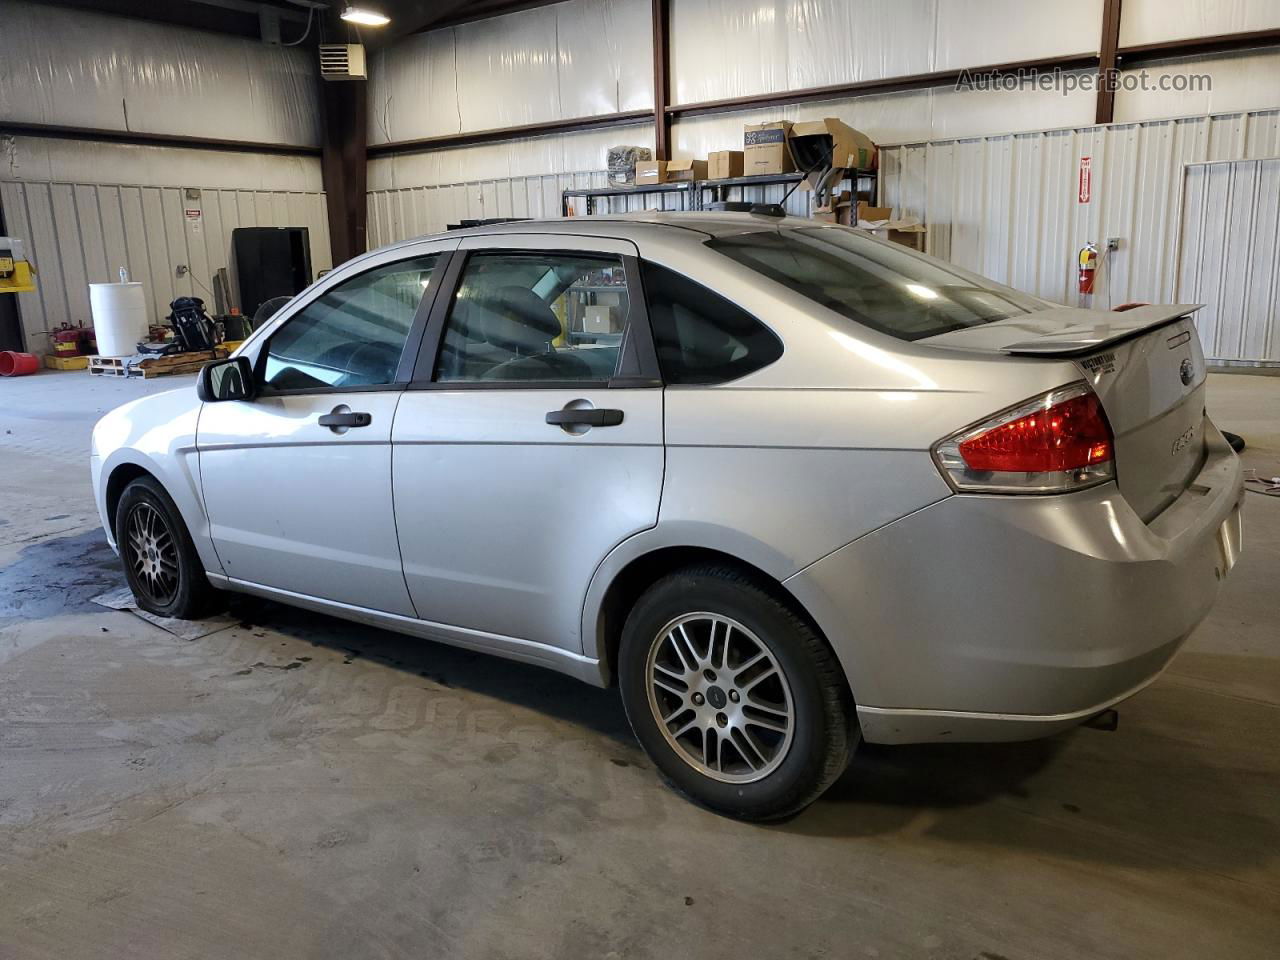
1113 243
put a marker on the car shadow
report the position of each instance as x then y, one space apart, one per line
1146 797
523 684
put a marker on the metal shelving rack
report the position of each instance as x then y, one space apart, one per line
692 191
686 188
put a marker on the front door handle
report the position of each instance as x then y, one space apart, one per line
345 419
589 417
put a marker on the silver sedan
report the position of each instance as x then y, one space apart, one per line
788 486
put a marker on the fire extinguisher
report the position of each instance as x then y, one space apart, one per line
1088 266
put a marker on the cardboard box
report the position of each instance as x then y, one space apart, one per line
686 168
814 141
909 235
649 172
722 164
841 213
765 148
597 319
873 214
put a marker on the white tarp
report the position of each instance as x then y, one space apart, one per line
75 68
722 49
581 58
1152 21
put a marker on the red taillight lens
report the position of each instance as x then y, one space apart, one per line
1057 442
1070 434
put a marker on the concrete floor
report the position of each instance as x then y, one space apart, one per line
295 786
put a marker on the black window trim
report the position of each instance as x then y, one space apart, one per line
638 359
732 302
408 354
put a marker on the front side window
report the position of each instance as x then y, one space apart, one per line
700 336
352 335
880 285
530 316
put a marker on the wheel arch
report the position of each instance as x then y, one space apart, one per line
632 576
120 477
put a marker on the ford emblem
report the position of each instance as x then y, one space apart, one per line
1187 372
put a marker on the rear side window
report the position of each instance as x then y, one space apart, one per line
700 336
880 285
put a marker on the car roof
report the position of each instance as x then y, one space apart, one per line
710 224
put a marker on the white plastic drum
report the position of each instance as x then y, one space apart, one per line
119 317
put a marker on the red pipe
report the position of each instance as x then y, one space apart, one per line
14 364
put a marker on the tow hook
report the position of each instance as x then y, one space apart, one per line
1108 720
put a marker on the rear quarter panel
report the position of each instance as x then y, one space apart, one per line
824 446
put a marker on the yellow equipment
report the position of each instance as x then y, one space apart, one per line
15 271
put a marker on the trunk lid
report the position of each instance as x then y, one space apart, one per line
1148 370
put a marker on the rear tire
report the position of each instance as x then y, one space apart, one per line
736 699
160 560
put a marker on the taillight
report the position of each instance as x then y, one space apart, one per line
1054 443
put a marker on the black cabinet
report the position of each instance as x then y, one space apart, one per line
270 262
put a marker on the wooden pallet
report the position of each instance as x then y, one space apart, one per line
55 362
152 366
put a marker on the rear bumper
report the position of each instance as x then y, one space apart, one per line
1007 618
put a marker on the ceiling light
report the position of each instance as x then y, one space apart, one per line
364 16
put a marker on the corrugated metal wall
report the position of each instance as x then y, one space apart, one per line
82 233
1008 206
1230 258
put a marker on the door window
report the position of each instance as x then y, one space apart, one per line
528 316
352 335
700 336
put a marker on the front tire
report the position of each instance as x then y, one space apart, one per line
160 561
734 696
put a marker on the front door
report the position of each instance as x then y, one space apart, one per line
530 443
297 482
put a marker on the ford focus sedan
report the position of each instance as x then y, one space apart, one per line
787 486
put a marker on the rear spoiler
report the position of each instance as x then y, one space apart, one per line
1085 337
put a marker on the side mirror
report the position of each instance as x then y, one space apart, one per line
230 379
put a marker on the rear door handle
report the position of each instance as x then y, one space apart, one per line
345 420
589 417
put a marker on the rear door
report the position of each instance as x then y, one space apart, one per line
530 442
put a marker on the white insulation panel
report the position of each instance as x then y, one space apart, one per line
722 49
1152 21
1009 206
1242 81
82 233
1230 258
82 161
899 117
532 156
76 68
568 60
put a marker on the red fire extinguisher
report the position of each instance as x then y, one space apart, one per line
1088 266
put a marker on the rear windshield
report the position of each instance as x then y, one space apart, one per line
881 285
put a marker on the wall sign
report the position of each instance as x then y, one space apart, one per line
1086 179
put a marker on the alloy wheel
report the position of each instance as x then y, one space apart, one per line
720 697
152 554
